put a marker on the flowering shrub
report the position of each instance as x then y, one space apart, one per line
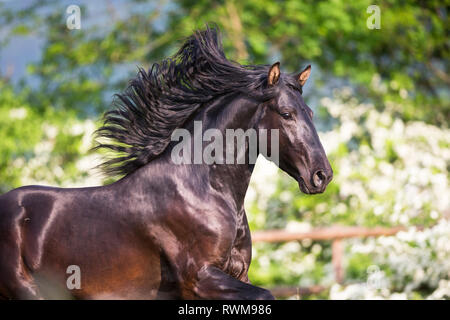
413 264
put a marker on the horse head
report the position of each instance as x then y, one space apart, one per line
301 154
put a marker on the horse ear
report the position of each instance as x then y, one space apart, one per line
274 74
304 75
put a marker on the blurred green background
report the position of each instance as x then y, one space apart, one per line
381 99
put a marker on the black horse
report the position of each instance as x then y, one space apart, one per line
165 230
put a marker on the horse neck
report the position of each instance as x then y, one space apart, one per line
231 111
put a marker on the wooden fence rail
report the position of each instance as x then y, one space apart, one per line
330 233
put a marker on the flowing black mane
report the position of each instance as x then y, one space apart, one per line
162 99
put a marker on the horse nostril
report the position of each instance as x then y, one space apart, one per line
318 178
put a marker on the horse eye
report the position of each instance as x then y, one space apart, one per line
286 115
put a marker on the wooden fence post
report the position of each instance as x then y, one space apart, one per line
337 254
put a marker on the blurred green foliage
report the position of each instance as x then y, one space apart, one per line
401 71
39 145
408 55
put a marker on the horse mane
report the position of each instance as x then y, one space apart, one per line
157 102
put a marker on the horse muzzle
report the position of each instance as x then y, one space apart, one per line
317 183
